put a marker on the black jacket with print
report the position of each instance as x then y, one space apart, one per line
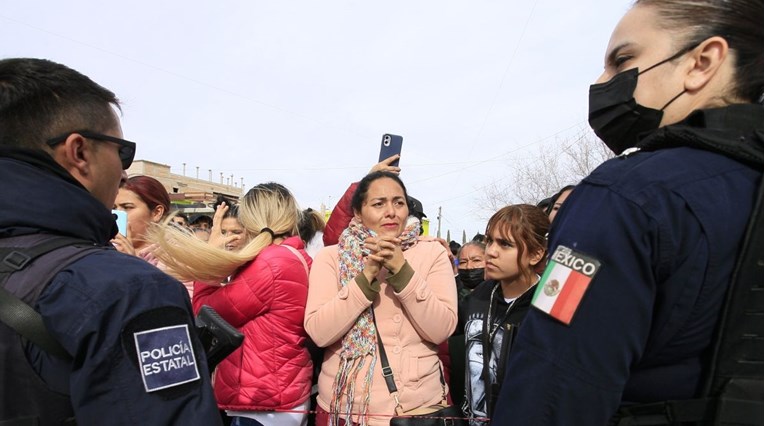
505 319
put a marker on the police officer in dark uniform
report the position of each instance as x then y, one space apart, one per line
643 250
131 352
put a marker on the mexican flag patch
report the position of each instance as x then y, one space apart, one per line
566 278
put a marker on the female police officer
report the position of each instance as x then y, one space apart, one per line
643 251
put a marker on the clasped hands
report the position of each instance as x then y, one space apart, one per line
384 252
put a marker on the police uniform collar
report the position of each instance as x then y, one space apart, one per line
55 201
736 116
735 131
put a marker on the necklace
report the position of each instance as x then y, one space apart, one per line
492 326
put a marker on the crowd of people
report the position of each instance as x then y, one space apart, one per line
617 300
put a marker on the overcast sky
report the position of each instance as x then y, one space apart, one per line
300 92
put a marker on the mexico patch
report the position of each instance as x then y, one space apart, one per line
166 357
566 278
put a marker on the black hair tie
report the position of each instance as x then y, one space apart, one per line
273 237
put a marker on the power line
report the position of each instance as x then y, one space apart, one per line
502 80
512 151
175 74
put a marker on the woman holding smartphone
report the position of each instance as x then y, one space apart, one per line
380 264
145 201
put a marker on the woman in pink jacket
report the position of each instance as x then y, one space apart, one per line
380 263
266 381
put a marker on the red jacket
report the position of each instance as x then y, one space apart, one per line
265 301
340 217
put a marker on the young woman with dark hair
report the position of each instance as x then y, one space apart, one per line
145 201
491 314
380 262
656 233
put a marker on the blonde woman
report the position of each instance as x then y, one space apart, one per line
266 381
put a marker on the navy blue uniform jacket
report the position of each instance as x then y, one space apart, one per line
94 306
666 226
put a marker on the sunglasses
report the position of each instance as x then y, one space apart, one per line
126 151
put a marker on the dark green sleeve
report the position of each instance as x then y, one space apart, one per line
400 279
371 290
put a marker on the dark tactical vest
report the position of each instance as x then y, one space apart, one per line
733 387
27 264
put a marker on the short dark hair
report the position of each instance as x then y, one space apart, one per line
202 218
477 243
41 99
545 203
554 199
415 207
454 247
232 212
479 238
310 223
361 191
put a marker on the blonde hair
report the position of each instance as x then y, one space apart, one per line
265 207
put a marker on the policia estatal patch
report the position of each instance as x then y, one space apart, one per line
566 278
161 345
166 357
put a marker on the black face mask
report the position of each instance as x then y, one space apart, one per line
470 278
615 115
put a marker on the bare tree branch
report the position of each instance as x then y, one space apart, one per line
493 197
556 165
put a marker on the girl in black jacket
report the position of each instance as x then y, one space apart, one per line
515 245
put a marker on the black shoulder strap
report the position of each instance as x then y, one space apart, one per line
390 382
16 258
741 353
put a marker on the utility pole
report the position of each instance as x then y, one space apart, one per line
438 232
184 169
